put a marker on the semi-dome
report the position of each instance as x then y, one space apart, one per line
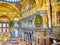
9 10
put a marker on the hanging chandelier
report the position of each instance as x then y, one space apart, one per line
13 1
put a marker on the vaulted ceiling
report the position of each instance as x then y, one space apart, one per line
21 7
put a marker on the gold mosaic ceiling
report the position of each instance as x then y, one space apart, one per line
15 9
6 7
9 10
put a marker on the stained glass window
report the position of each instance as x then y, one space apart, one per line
12 0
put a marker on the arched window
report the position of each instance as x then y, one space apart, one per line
15 34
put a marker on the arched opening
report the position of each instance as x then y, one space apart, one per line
8 12
4 23
4 18
38 20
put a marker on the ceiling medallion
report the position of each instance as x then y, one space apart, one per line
12 1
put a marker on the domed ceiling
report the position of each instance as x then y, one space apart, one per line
19 7
16 8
